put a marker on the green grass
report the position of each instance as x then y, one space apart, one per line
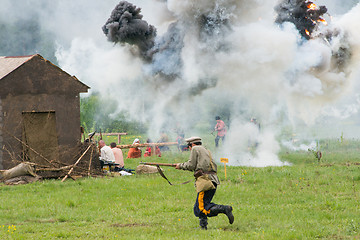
308 200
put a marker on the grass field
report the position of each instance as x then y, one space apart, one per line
308 200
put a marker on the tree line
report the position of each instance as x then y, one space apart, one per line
97 114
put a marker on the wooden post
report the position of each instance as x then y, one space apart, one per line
91 155
113 134
153 149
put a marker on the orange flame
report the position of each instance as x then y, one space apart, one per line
322 20
307 32
311 6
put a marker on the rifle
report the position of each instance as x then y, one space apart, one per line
161 172
159 164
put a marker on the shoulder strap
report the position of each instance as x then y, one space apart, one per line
211 168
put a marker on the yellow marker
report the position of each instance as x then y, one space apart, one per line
224 160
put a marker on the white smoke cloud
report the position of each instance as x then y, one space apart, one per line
88 60
302 147
251 146
245 64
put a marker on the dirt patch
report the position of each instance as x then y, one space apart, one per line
51 220
231 229
129 225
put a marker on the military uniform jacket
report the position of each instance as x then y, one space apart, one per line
200 158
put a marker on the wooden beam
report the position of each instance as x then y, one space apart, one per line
146 145
110 134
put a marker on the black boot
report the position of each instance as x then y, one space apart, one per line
203 223
227 210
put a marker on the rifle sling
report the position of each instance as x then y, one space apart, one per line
163 175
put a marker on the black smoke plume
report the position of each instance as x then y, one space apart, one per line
125 25
304 14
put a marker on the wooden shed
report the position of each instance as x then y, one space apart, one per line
39 111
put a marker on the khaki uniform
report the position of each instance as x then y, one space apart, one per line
200 158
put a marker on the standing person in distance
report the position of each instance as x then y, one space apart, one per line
201 163
220 127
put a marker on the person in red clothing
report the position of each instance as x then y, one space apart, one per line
220 127
134 152
148 150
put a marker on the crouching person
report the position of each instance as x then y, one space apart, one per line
106 154
206 183
119 158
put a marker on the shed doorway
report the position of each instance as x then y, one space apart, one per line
40 135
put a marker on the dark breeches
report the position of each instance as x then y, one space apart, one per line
217 140
204 208
203 203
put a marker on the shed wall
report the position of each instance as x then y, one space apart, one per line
1 135
67 111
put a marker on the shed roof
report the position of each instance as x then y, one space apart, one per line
9 64
34 74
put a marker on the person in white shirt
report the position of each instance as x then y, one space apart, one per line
107 154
